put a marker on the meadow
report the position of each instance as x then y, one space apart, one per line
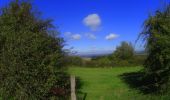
107 84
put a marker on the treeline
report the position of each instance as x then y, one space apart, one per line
123 56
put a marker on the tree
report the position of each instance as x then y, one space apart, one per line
31 54
123 55
124 51
156 33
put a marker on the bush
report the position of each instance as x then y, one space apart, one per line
113 61
31 55
103 62
156 33
74 61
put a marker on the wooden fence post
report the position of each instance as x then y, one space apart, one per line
73 86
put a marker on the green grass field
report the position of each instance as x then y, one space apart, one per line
106 84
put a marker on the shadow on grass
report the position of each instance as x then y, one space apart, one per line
80 95
139 81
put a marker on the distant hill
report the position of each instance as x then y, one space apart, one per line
93 55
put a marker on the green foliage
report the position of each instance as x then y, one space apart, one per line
74 61
110 61
156 33
31 54
102 61
124 55
124 52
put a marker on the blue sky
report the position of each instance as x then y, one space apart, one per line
95 26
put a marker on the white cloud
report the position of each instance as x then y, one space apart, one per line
92 21
90 36
72 36
76 36
111 36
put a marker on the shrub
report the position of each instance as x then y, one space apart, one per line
31 54
156 33
74 61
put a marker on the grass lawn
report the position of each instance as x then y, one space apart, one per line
106 84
